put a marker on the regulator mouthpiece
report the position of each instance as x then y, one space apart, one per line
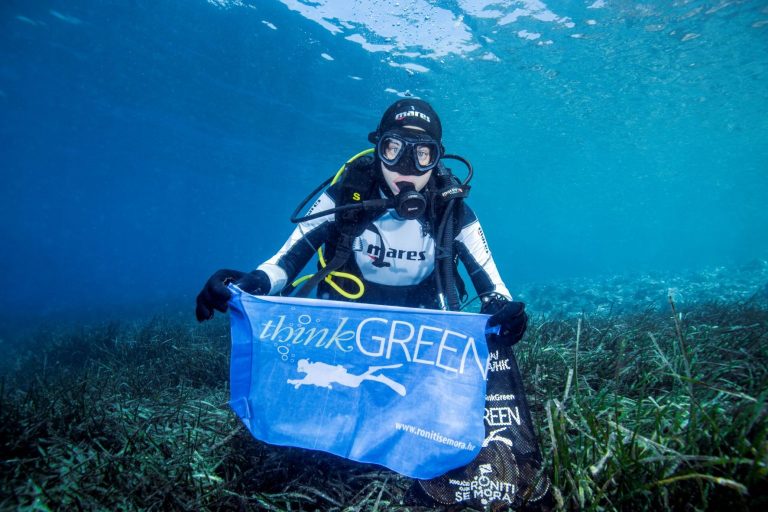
409 204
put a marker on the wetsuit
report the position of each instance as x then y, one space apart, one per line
394 257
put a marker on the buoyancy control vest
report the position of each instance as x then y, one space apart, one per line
361 196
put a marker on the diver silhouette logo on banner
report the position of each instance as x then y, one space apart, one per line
401 387
323 375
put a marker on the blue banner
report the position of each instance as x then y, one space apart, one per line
399 387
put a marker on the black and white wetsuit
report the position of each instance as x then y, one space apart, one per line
394 257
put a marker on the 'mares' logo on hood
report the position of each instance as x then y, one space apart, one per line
412 113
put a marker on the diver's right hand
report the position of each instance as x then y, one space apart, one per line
215 294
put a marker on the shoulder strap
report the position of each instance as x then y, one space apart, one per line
357 184
340 257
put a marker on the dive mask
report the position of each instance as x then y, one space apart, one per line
394 150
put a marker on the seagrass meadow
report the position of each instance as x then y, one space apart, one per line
618 170
662 407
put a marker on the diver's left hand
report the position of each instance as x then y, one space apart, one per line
511 318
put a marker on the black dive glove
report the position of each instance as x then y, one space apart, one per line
215 294
508 315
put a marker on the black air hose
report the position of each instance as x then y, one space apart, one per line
451 292
444 277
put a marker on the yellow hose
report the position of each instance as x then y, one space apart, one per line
329 279
344 275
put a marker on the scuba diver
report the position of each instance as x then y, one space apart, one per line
393 229
390 229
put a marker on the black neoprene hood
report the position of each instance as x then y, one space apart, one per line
409 112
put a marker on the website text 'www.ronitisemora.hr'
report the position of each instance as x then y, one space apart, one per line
434 436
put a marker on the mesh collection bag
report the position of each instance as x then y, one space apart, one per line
508 471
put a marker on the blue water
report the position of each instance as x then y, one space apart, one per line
145 144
